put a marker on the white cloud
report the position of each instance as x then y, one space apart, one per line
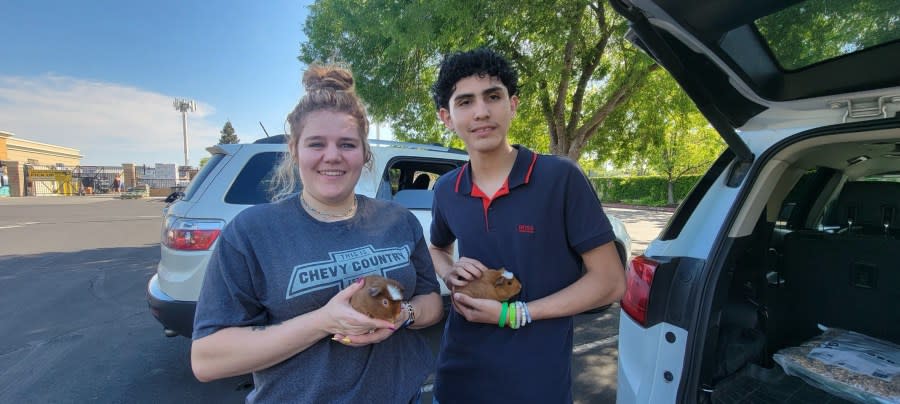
108 123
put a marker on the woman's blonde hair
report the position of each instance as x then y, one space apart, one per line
328 88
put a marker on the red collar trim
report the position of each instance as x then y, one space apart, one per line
519 175
504 190
459 176
531 167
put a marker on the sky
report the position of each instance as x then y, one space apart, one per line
101 76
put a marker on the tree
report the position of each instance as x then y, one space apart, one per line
228 136
812 31
688 146
662 133
203 161
575 66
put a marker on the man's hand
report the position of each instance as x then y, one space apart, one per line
477 310
463 271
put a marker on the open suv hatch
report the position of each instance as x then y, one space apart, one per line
795 229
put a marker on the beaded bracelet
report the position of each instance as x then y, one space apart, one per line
526 315
515 315
520 307
521 314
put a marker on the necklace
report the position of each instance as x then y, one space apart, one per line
328 215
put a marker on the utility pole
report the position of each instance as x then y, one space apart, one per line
184 106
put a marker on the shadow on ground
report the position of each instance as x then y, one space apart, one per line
76 328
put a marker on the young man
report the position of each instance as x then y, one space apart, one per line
535 215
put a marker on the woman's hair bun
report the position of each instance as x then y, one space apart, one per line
327 77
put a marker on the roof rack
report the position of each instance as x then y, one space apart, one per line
272 139
394 143
376 142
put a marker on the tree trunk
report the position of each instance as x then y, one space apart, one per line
571 140
670 191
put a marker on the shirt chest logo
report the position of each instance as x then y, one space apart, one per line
526 228
344 266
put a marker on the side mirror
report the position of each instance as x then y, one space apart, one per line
174 196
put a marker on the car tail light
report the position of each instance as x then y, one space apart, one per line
191 235
639 279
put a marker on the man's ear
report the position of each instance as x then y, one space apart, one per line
444 115
513 104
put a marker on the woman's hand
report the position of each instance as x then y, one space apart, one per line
373 337
350 326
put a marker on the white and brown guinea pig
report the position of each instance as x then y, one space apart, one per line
496 284
380 298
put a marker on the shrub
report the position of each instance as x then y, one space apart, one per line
645 190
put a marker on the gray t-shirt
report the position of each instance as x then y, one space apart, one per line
274 262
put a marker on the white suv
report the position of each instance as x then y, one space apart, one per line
237 176
795 229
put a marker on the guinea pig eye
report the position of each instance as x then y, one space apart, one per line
384 302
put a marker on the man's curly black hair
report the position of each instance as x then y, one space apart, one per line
481 62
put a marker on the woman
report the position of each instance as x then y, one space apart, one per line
275 300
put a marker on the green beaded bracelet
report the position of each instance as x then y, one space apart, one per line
502 321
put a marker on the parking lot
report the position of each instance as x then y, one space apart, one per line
76 326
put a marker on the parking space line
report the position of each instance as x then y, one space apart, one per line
591 345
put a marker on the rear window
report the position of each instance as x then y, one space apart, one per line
201 176
889 177
818 30
251 187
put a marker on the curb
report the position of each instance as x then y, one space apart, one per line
639 207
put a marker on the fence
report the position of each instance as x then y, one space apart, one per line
43 180
163 186
60 180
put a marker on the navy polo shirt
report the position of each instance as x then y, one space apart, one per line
536 226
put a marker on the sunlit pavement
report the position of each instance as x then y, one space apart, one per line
596 353
643 225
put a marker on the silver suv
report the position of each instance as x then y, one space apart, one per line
237 176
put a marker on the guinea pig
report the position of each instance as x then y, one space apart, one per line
380 298
496 284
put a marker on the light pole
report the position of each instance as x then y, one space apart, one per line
184 106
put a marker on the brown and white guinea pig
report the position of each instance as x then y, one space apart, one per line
496 284
380 298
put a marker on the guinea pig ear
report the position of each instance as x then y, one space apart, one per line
500 280
374 291
395 292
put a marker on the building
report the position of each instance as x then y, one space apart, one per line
13 148
16 153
